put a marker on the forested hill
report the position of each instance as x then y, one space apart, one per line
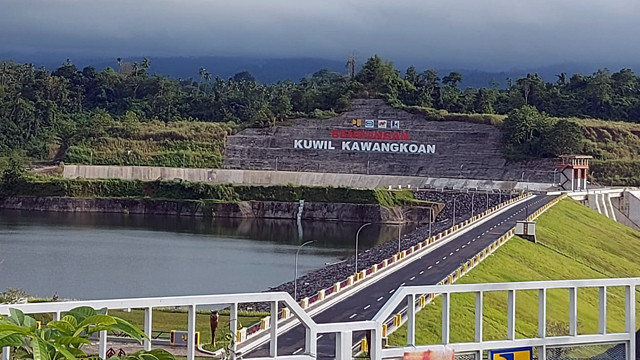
272 70
44 114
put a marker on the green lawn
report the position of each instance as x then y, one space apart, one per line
574 243
166 320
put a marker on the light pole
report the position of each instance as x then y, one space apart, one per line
399 228
430 219
472 198
487 200
357 235
295 276
454 210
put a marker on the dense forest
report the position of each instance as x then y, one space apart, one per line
125 115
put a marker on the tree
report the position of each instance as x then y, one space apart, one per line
523 130
565 137
452 79
351 66
411 75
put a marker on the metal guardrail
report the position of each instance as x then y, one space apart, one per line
404 295
542 341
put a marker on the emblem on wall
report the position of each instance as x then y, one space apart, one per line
356 122
382 124
395 124
369 124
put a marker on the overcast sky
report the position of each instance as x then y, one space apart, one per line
497 34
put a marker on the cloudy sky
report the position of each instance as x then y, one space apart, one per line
488 33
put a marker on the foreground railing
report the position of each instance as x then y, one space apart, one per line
542 343
405 296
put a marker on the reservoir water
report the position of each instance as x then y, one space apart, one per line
99 256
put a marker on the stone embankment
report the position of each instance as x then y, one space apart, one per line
462 150
311 283
241 209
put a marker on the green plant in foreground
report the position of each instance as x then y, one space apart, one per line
64 339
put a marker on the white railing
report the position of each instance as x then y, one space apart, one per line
404 296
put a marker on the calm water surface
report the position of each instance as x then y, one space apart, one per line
97 256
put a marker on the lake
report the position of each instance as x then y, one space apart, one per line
100 256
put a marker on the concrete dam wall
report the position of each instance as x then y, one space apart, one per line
387 142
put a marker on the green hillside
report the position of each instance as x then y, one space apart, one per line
574 243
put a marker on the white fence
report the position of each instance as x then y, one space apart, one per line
404 296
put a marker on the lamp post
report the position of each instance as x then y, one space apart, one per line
430 219
357 235
472 201
487 200
454 210
295 276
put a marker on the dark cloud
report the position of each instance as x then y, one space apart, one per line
488 33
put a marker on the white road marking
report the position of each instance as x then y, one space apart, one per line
458 249
391 291
413 277
430 266
297 351
473 240
468 242
421 272
437 262
352 316
444 258
380 298
402 284
319 336
464 246
451 253
366 307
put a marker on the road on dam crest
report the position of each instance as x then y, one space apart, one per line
427 270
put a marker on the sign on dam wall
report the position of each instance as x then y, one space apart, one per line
375 139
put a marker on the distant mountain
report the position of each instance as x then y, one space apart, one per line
274 70
265 70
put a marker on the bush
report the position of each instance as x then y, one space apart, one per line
116 188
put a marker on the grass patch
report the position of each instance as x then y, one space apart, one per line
575 243
174 320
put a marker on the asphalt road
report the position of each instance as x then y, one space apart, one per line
428 270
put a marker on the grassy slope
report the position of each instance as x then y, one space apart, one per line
575 243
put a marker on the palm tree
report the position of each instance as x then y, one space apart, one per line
202 72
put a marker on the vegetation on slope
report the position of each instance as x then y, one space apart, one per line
574 243
127 116
15 183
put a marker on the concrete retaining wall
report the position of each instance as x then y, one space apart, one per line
242 209
266 177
